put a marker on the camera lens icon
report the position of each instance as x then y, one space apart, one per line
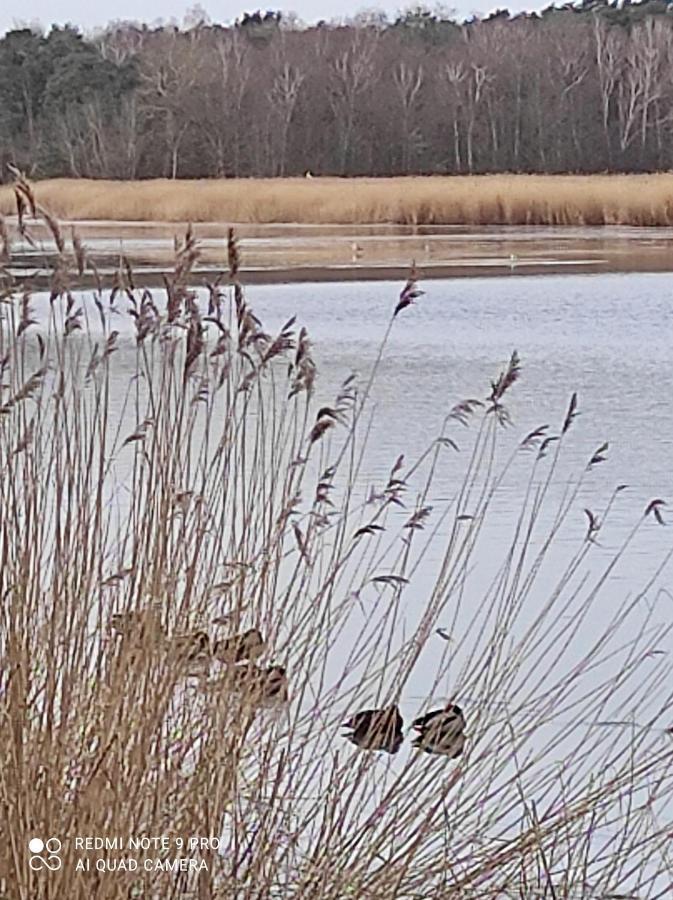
38 860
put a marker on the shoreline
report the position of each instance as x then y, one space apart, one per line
361 273
289 254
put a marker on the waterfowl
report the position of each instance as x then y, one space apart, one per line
376 729
274 686
441 731
125 622
194 646
137 623
240 648
263 687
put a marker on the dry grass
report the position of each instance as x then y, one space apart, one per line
479 200
204 488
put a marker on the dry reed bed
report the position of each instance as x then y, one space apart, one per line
209 487
473 200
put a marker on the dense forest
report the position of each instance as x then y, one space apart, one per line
582 88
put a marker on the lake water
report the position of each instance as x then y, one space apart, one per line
606 337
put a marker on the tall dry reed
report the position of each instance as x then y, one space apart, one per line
438 200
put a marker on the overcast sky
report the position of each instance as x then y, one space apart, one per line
88 14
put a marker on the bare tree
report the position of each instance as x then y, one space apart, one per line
284 94
225 76
469 83
352 73
608 65
170 76
408 81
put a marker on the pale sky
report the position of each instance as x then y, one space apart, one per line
87 14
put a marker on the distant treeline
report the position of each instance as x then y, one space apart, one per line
583 88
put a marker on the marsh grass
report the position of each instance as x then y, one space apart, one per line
203 487
439 200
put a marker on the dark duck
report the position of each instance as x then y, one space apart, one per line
441 731
376 729
240 647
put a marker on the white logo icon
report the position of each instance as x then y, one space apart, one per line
38 847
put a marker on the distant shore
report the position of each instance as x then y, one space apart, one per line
524 200
396 273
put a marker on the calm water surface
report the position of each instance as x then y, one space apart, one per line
609 338
606 337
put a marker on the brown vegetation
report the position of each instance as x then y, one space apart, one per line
471 200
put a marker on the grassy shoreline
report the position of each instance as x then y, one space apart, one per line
637 200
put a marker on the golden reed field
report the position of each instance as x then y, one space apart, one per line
432 200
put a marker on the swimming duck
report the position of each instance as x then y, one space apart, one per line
441 731
137 623
274 686
376 729
263 687
240 647
193 646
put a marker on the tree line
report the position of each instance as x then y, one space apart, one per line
582 88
